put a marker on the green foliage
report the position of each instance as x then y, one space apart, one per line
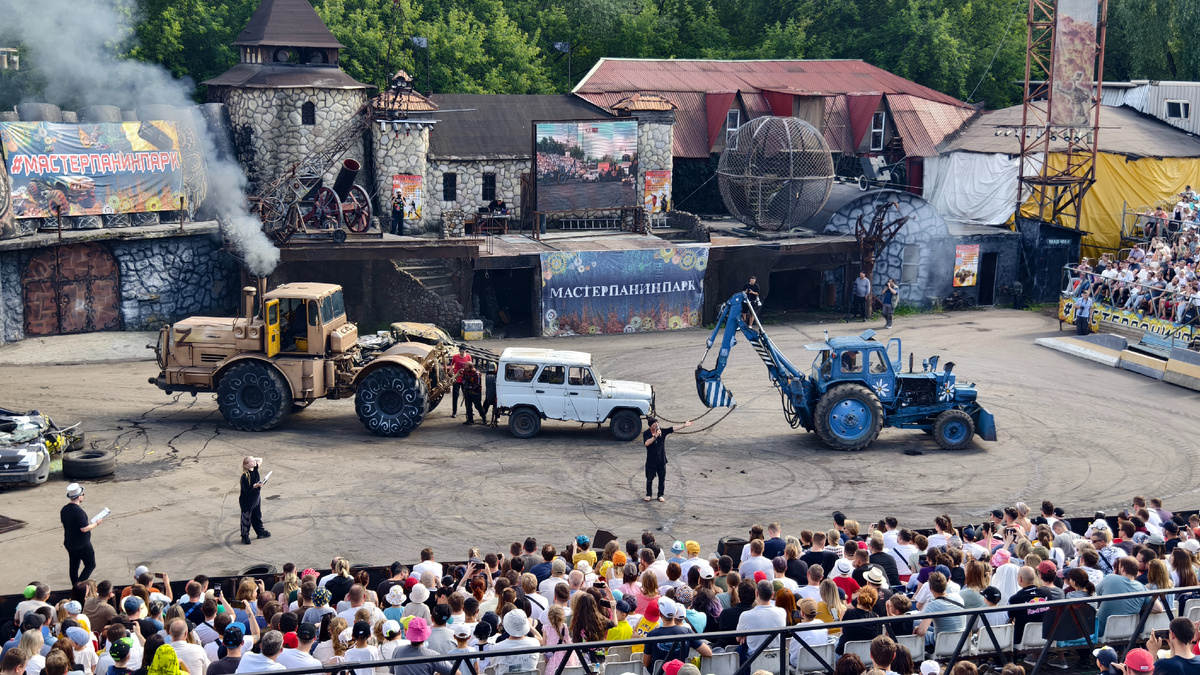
969 49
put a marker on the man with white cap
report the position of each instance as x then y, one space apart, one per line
77 534
673 623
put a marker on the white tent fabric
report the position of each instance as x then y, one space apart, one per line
975 188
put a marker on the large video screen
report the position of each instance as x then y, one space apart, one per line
586 165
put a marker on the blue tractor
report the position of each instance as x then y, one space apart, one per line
856 387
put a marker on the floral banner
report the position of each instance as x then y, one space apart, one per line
593 292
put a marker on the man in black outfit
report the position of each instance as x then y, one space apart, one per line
884 561
654 439
77 534
752 298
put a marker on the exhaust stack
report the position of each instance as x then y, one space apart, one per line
248 302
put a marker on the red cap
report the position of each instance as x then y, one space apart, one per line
651 613
1047 567
290 640
672 667
410 582
862 545
1139 660
760 576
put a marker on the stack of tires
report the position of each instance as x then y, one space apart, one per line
81 463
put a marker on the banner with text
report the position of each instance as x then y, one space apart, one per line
658 192
592 292
966 264
92 169
408 196
1073 63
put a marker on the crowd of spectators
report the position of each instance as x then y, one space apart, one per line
535 595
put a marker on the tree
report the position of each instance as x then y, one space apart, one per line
190 38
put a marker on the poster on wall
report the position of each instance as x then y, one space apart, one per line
92 169
407 194
1074 63
966 264
658 192
593 292
586 165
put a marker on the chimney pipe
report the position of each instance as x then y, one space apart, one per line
248 302
262 297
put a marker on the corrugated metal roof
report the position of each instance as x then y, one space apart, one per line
923 124
837 124
756 104
499 125
862 109
716 106
290 23
805 77
285 76
691 120
647 102
1122 131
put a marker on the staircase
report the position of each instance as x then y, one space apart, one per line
432 275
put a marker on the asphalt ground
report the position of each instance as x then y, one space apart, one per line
1085 436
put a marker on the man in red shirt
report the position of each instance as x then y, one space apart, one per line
457 363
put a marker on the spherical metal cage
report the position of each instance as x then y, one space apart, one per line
775 173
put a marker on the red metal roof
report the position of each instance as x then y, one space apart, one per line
691 118
862 108
923 124
799 77
716 105
837 124
757 105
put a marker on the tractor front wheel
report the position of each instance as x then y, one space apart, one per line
391 401
849 417
953 430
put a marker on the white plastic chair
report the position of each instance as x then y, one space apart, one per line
945 642
1155 622
914 643
768 661
1119 628
805 663
1031 638
1193 614
860 648
622 667
1187 606
1004 635
620 654
720 663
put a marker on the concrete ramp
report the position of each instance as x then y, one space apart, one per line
1101 348
1183 369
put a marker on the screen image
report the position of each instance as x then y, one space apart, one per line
586 165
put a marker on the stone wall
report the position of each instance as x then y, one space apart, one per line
269 136
164 280
470 185
925 229
400 152
655 137
161 281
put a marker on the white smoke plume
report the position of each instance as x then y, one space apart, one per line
71 44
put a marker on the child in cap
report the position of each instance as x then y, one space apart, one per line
1107 660
119 651
362 649
391 638
930 667
462 638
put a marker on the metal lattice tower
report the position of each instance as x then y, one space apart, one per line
775 173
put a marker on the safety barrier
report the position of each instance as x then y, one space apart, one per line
773 651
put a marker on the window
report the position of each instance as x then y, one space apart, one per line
552 375
489 187
326 310
580 377
449 187
878 365
851 362
877 122
1179 110
338 304
272 314
308 114
910 270
519 372
733 120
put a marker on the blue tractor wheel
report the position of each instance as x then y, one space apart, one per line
953 429
848 417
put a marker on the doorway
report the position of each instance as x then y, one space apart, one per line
506 297
793 290
71 289
987 279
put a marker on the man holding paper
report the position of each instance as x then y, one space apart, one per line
250 499
77 534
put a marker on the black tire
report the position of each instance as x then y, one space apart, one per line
78 439
953 430
833 430
625 425
524 422
391 401
339 236
253 396
89 463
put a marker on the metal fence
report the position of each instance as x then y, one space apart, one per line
1069 620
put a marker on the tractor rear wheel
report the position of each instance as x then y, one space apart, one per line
391 401
953 430
848 417
253 396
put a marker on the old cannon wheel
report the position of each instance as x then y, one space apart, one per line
357 215
327 210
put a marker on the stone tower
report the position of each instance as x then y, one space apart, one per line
287 94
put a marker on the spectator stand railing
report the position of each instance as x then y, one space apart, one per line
1072 274
1052 611
1135 219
